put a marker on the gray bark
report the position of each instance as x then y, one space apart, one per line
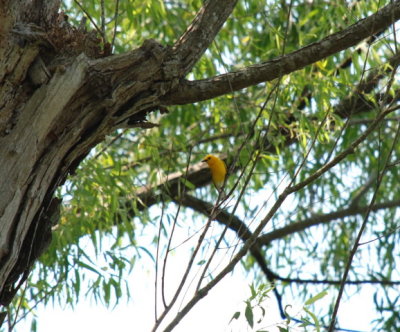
61 94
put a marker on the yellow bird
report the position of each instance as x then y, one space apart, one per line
218 170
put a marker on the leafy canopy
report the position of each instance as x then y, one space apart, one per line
278 124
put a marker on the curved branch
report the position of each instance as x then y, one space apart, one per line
197 174
281 198
194 91
321 219
353 104
200 34
239 227
337 282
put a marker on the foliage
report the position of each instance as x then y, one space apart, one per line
292 136
255 312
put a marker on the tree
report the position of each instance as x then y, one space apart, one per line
296 101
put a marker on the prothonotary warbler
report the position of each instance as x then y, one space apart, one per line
218 171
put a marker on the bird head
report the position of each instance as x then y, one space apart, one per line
210 159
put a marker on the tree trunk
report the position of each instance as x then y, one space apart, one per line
59 96
61 93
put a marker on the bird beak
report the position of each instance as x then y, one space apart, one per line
203 161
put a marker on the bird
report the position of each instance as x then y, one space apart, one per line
218 171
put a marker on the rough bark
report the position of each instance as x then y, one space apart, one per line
60 94
194 91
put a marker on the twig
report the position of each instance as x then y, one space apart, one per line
338 282
289 190
103 22
364 224
157 259
115 24
89 17
166 307
363 190
319 219
380 237
98 154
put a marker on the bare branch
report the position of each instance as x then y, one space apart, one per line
194 91
337 282
115 24
103 21
199 35
322 219
289 190
240 228
89 17
362 228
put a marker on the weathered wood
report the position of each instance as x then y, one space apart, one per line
53 110
61 93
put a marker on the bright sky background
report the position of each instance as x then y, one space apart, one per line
213 313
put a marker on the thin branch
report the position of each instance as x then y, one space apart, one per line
104 149
234 223
364 224
321 219
167 307
89 17
289 190
103 21
200 34
386 234
363 190
194 91
115 24
157 260
388 283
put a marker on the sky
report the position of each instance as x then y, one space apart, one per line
213 313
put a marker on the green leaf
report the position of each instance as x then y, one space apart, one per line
314 318
249 314
282 329
253 292
236 315
34 325
188 184
88 267
316 297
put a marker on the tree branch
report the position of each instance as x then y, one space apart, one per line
200 34
239 227
281 198
337 282
193 91
321 219
198 174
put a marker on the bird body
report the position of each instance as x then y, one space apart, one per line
218 170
